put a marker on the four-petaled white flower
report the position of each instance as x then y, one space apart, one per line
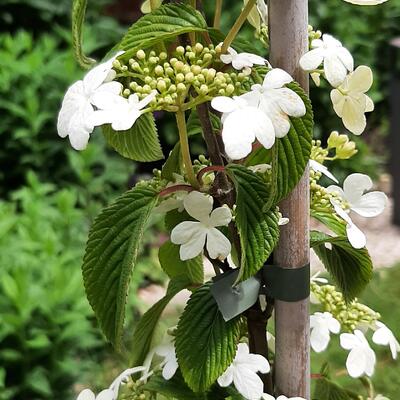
366 2
318 167
242 125
262 114
322 324
242 61
243 373
365 204
193 235
170 363
119 111
266 396
385 337
336 59
75 117
112 392
361 359
350 101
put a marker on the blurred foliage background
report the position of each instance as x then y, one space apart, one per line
49 341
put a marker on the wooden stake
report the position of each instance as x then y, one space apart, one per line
288 42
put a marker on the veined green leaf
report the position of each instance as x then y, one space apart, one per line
144 330
295 148
258 230
172 164
205 344
166 22
140 143
173 266
78 19
350 268
330 221
110 255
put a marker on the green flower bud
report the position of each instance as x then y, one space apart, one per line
229 89
172 89
198 48
189 77
168 100
133 86
346 151
180 50
186 69
178 66
126 92
181 87
148 79
179 78
140 55
169 71
146 71
161 85
159 70
153 60
163 55
146 89
207 57
116 64
173 61
203 89
196 69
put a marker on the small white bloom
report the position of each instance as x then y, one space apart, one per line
167 351
361 359
322 324
366 2
112 392
318 167
381 397
337 59
260 168
276 101
385 337
316 278
266 396
242 125
242 61
350 101
146 6
243 373
75 116
365 204
193 235
119 111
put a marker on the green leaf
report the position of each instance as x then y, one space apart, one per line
330 221
173 164
111 252
144 330
173 266
194 125
295 148
78 19
205 344
258 230
351 268
167 22
140 143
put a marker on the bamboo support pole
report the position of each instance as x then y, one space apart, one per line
288 41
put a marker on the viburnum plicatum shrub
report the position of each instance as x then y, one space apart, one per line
257 125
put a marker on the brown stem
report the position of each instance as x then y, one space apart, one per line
257 321
175 188
205 170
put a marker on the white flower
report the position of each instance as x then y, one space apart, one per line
385 337
381 397
367 205
243 373
322 324
258 14
262 114
260 168
112 392
337 59
146 6
75 116
365 2
119 111
276 101
193 235
361 359
318 167
242 125
266 396
242 61
350 101
167 351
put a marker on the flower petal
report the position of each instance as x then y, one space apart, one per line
319 339
356 362
312 60
348 341
290 102
318 167
276 78
338 102
355 185
86 394
356 237
194 246
218 245
226 378
346 58
184 231
198 205
248 383
223 104
221 216
361 79
106 394
334 69
370 204
170 368
353 116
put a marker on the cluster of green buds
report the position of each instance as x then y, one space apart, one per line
350 315
343 146
136 390
313 34
187 74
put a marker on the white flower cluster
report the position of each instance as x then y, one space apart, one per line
262 113
349 86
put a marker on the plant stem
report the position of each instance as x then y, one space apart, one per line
192 35
183 139
237 25
217 15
